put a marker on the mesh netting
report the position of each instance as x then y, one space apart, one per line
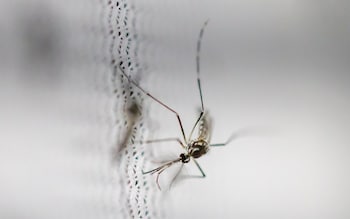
71 124
63 58
131 123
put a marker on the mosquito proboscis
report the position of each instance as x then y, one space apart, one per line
194 148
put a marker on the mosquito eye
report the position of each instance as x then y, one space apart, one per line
196 152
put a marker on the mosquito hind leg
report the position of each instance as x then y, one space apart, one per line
154 98
233 136
201 33
199 41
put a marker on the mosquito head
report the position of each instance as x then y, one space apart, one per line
185 158
198 148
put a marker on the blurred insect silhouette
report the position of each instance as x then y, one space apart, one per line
193 148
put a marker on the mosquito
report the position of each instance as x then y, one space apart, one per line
194 148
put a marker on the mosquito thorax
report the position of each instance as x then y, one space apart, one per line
197 148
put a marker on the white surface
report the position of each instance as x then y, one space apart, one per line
274 72
277 73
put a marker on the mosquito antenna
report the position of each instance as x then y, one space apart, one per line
155 99
198 61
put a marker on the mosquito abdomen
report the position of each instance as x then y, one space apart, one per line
204 130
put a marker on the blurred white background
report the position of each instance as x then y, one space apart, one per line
273 72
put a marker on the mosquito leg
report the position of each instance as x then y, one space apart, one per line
154 170
163 140
157 179
198 61
201 33
166 165
233 136
218 145
160 169
199 167
155 99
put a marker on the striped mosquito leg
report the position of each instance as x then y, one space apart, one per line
198 62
